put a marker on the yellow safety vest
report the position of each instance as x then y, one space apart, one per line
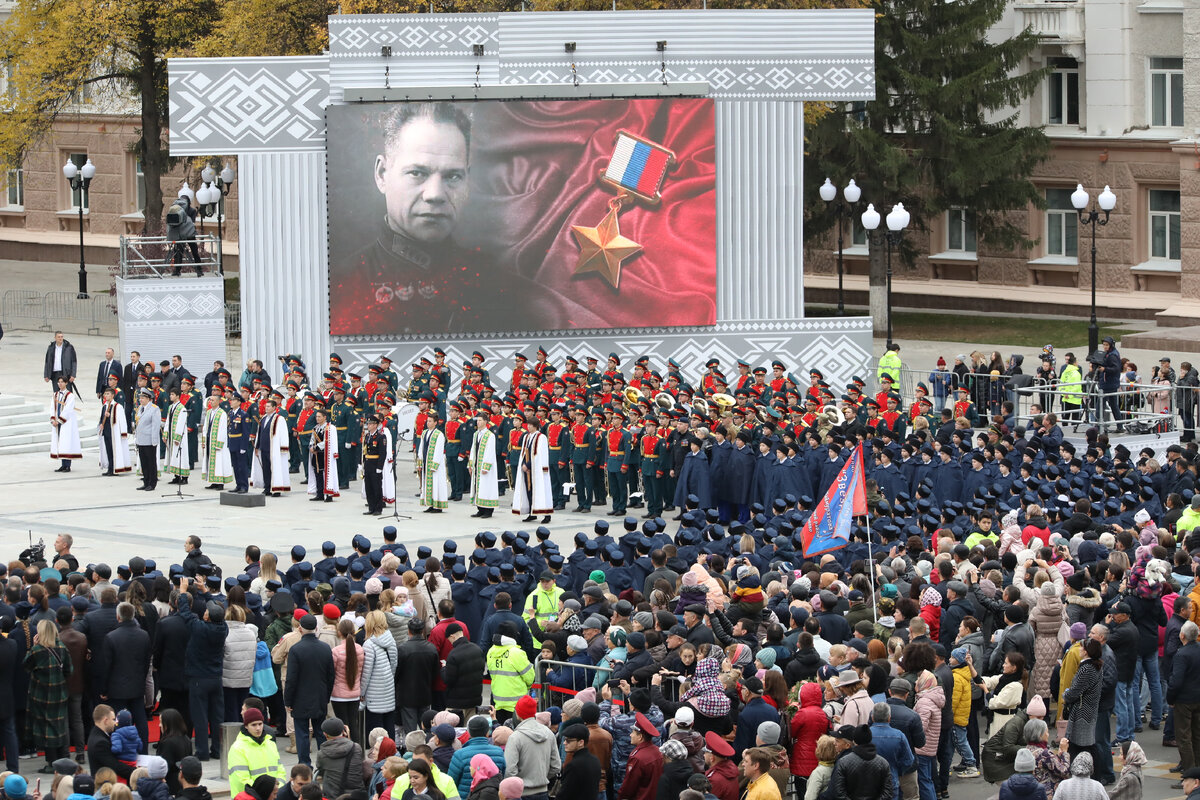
511 675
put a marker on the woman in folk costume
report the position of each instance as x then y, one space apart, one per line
64 427
485 488
435 475
323 460
175 434
533 490
216 467
273 426
114 435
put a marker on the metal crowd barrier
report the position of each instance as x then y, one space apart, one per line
1025 393
19 305
233 319
50 310
548 695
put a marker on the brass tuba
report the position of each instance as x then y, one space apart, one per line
724 401
700 406
632 396
664 401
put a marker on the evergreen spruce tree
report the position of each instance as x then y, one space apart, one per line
942 130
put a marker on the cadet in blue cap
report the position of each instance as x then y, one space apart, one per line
293 572
300 587
323 570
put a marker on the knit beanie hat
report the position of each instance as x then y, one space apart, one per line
511 788
526 707
1024 761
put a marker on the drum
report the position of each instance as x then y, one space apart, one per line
406 420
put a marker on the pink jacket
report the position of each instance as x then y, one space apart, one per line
341 689
929 708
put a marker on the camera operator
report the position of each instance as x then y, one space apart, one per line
181 227
1185 399
1106 363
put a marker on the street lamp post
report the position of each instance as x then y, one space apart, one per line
80 178
897 220
1107 202
216 187
852 194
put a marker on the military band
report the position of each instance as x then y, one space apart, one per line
615 443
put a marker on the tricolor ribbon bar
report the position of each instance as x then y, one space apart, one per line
638 167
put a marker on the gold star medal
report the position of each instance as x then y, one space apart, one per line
636 172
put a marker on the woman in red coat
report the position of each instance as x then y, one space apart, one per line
809 723
931 611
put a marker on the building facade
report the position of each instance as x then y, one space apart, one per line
39 214
1121 105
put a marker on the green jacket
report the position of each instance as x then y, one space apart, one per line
249 759
1070 383
511 675
890 365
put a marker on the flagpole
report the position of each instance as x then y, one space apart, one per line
871 567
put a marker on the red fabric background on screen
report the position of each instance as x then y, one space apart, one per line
534 168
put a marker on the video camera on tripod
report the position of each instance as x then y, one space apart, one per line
35 553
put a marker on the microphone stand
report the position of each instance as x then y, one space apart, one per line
178 493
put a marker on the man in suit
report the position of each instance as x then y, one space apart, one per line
147 434
60 361
211 378
109 366
129 385
130 372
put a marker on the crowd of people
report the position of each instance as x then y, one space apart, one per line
1019 602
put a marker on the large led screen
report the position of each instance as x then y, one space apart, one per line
474 217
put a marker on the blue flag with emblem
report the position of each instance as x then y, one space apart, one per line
829 526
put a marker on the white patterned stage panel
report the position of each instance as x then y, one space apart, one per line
163 317
839 347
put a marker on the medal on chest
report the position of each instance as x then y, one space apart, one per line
635 172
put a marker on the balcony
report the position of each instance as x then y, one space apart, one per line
1055 22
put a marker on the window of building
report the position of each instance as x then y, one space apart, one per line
960 230
1164 224
79 197
1062 224
14 184
1166 92
1062 92
858 234
139 184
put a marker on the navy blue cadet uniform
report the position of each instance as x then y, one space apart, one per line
241 429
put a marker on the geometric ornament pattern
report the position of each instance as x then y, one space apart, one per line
141 307
154 302
243 105
839 348
206 304
416 34
173 305
738 79
276 104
